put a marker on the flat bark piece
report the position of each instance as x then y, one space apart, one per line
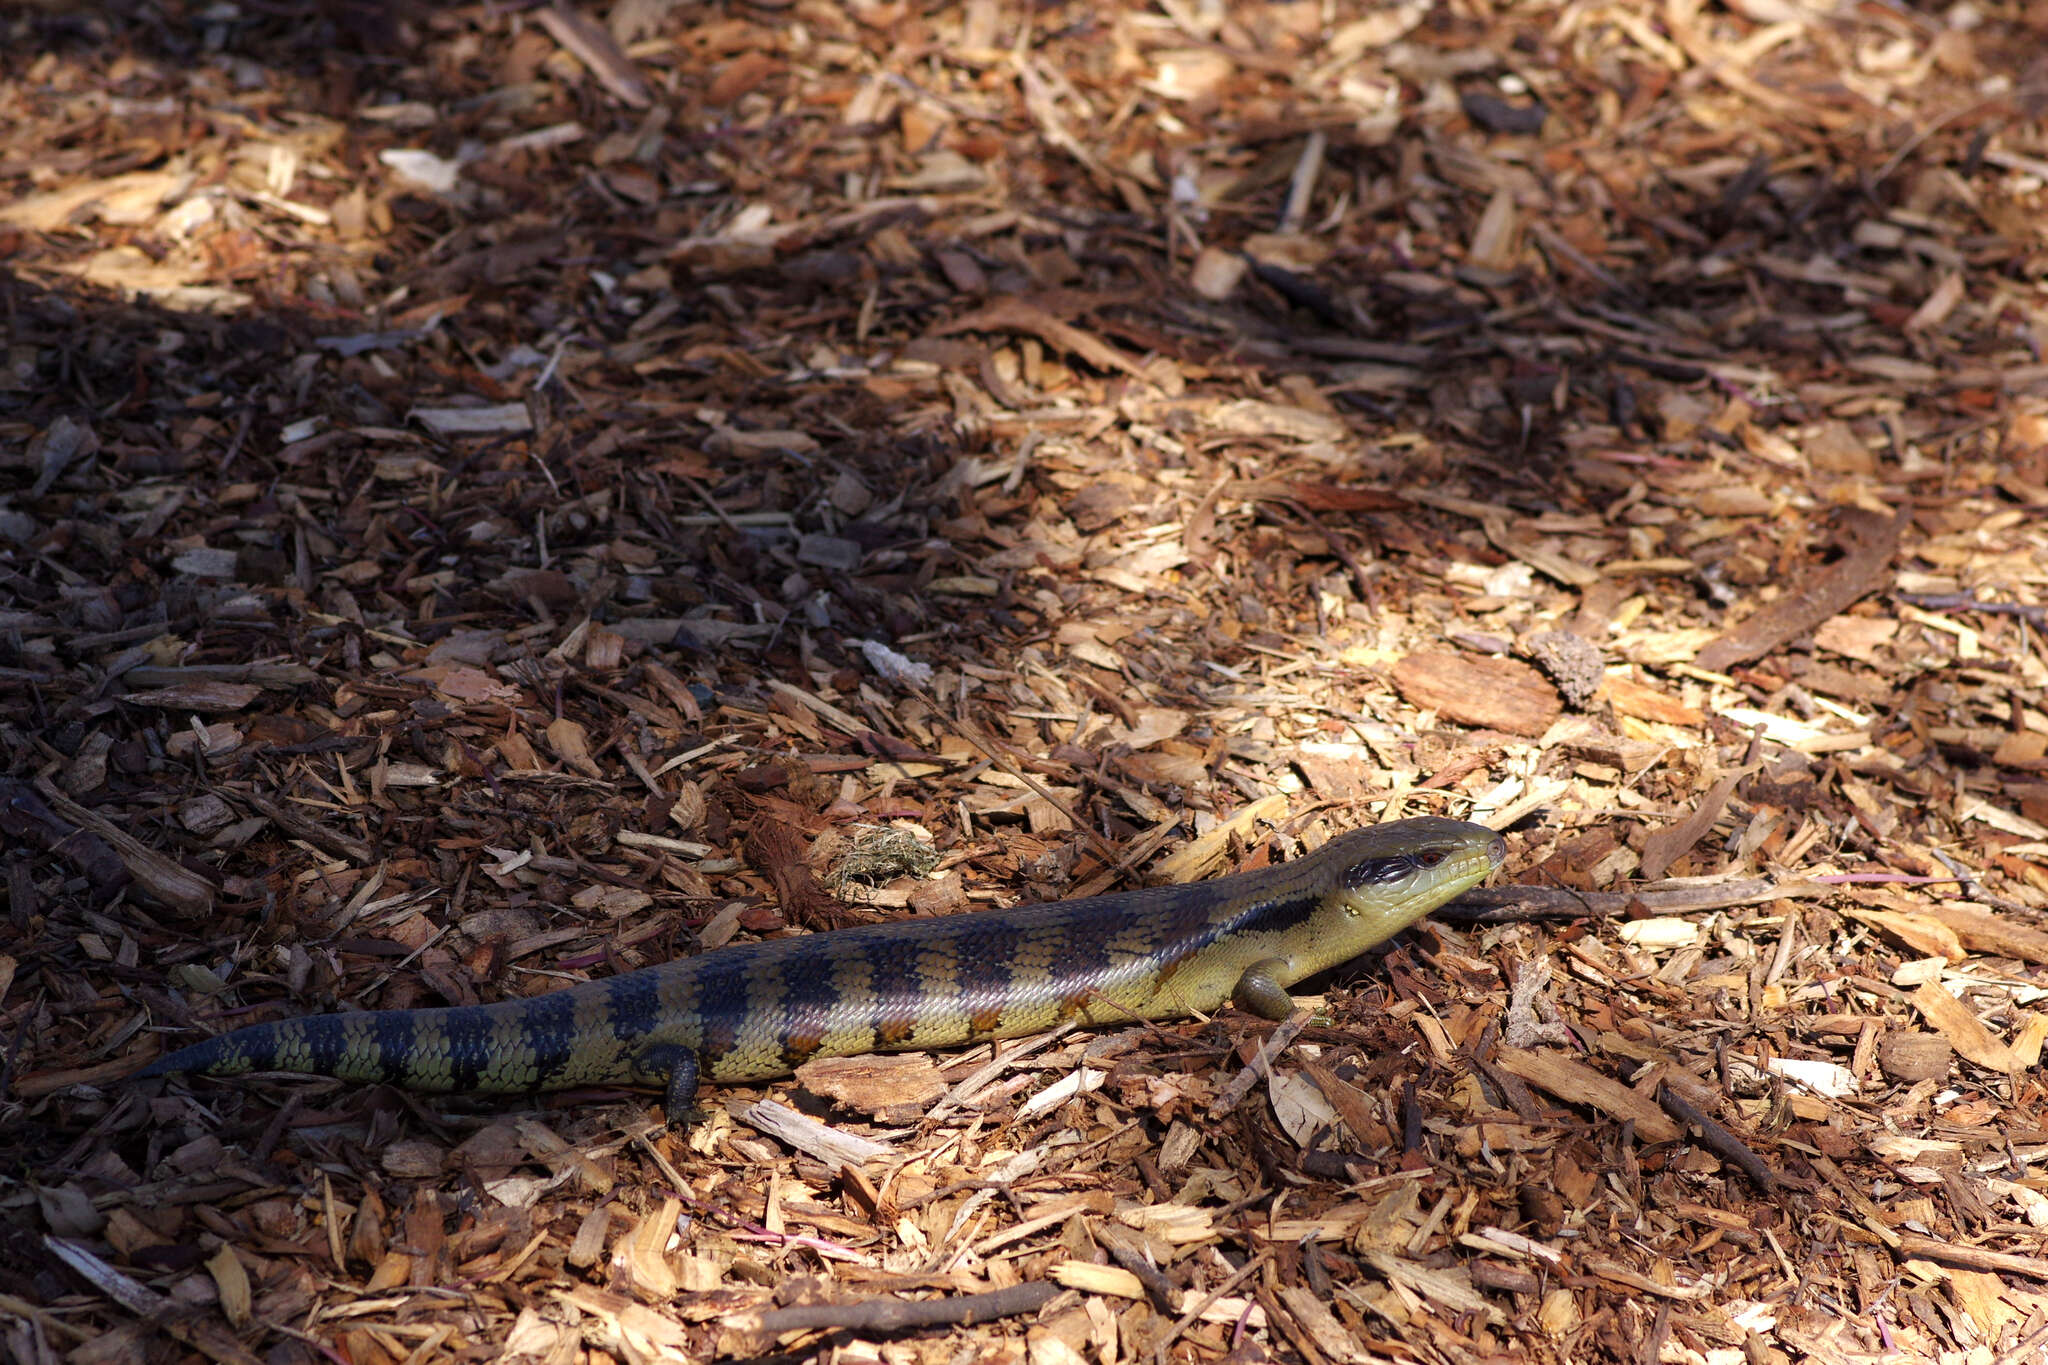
778 851
1487 694
872 1084
1288 421
1576 1084
1204 852
1922 933
1019 315
1909 1057
184 891
1873 540
1914 1247
25 817
1983 932
571 743
836 1147
210 697
1318 496
1333 1340
1957 1024
1631 698
1337 779
1351 1103
1666 846
593 46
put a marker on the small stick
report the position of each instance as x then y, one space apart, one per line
1970 1258
999 755
1720 1139
1276 1043
1963 601
1653 1345
1511 904
1185 1320
896 1315
1157 1286
320 836
1359 578
995 1067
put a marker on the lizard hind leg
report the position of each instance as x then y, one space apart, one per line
675 1068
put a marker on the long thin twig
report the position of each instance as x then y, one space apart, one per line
1276 1043
1719 1138
1510 904
1186 1320
999 754
898 1315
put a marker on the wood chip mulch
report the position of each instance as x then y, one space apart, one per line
493 496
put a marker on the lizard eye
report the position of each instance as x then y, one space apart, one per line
1430 857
